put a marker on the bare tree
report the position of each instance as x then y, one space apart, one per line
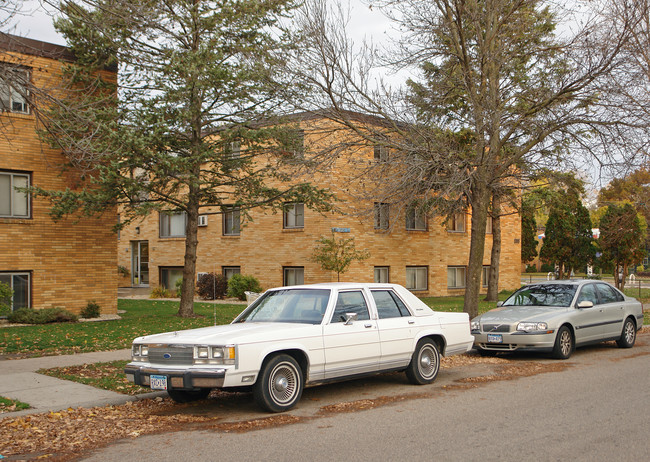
496 92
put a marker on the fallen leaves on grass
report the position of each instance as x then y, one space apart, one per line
108 376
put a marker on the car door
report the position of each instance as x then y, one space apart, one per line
588 322
612 305
351 348
395 323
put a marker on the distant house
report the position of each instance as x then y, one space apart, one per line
46 263
405 247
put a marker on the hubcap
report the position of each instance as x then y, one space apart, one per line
428 362
629 332
283 383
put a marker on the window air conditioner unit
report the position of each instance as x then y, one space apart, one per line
203 220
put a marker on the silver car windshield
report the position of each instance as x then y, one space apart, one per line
306 306
560 295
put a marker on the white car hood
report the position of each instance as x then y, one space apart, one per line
232 333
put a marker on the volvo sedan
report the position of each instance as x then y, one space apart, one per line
556 317
303 335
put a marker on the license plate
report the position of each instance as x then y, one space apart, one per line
492 338
158 382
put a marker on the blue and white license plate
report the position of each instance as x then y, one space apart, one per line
492 338
158 382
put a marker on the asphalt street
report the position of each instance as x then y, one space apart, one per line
593 407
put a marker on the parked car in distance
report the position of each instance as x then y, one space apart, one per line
303 335
556 317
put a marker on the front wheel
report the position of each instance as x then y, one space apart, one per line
187 396
564 343
628 336
424 364
279 385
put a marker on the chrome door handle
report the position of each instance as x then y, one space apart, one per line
411 321
367 326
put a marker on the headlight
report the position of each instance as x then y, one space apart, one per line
139 352
531 326
475 324
215 354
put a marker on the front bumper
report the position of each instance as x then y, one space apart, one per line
177 379
516 341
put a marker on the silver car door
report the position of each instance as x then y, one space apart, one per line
588 322
612 304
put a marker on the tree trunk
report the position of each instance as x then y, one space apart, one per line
622 285
186 308
479 201
495 256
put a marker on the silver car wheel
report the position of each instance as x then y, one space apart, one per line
428 362
283 383
566 344
628 336
629 332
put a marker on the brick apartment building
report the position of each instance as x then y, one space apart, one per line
419 253
46 263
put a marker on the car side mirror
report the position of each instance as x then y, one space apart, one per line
586 304
349 317
499 303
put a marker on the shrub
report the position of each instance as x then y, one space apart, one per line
531 269
160 292
45 316
92 310
211 286
547 268
123 271
238 285
5 299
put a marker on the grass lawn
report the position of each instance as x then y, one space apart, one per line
109 376
11 405
141 317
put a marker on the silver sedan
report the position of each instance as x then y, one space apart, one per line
558 316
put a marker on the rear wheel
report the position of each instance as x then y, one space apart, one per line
187 396
628 336
564 343
424 364
279 385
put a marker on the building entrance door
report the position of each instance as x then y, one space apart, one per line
140 263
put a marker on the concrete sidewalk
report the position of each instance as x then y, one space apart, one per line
19 380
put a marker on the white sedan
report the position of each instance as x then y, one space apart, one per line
303 335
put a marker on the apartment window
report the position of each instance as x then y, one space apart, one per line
233 150
457 223
13 90
293 275
231 224
172 224
381 215
488 226
456 277
485 275
14 203
169 276
381 274
381 153
415 220
294 216
417 277
20 284
230 271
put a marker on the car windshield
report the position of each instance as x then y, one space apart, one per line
559 295
306 306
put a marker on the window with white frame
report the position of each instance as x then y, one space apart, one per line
293 275
233 150
417 277
381 152
172 224
231 221
456 277
20 284
456 223
415 220
14 203
14 91
294 216
485 276
382 274
382 215
230 271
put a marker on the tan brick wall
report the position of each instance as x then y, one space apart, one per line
71 262
264 247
